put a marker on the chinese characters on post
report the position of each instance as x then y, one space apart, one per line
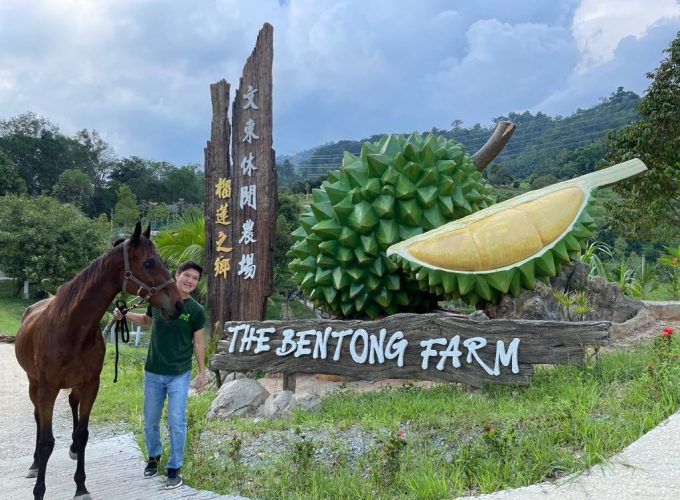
248 194
222 262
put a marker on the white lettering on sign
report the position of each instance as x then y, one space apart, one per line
365 347
247 266
248 197
250 335
249 131
503 357
249 96
247 165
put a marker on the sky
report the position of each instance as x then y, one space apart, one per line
138 71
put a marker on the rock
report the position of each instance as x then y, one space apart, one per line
606 299
230 377
306 401
478 316
278 404
238 397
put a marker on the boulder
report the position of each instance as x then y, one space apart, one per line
238 397
606 299
306 401
278 404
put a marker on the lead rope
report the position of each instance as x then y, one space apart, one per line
121 326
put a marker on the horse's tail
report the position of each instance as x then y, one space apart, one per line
7 339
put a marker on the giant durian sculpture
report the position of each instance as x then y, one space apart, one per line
397 188
505 247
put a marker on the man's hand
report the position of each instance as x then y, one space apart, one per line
117 315
200 382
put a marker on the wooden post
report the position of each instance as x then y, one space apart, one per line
253 217
217 166
241 195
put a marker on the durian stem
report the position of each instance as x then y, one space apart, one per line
494 145
612 175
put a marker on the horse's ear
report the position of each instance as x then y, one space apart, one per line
147 231
137 232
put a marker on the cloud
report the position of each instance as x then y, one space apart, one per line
600 25
139 71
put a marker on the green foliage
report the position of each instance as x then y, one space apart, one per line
651 204
302 455
644 281
43 239
672 261
184 240
497 175
387 458
126 212
74 186
591 257
542 181
10 180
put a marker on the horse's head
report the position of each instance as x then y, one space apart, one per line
147 276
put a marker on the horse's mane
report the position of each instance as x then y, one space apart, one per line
74 291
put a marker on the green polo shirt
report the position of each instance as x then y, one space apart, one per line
172 342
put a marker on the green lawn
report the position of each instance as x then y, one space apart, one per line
455 441
11 310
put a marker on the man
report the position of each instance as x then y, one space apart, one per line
168 369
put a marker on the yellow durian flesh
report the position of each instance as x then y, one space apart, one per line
505 237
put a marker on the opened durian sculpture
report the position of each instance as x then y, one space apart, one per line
505 247
397 188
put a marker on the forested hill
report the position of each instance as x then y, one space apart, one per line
541 145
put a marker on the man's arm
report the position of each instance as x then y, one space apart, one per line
199 352
136 318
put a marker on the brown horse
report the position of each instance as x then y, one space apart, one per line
59 343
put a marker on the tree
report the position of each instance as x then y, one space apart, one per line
157 212
126 212
10 180
185 182
497 175
42 239
542 181
38 150
650 207
74 187
184 240
97 156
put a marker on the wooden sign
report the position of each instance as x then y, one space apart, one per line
408 346
241 195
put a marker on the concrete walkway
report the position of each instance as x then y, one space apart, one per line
114 471
649 468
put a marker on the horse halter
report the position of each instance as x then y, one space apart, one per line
128 276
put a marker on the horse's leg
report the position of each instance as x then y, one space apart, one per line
88 393
73 403
33 394
46 397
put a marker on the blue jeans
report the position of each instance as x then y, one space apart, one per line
156 387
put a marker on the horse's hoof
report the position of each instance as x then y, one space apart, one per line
32 473
72 454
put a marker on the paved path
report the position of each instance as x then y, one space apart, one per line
114 471
113 464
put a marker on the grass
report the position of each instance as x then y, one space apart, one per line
11 310
457 441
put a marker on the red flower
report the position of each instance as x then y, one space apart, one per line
667 331
402 434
